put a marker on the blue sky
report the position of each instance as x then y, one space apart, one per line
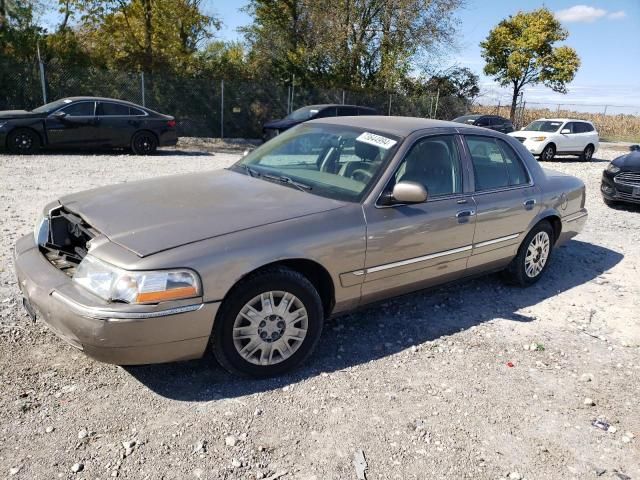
604 32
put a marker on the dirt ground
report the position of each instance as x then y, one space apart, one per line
477 380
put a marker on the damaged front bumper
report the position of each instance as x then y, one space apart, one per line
122 334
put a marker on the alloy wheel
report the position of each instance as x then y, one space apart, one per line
23 142
270 328
537 254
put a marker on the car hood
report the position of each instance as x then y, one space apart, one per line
630 161
150 216
529 134
9 114
282 124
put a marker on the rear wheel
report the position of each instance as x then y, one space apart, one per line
587 154
533 256
268 324
548 153
23 141
144 143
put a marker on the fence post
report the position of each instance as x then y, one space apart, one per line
42 79
389 112
343 97
144 99
605 109
435 110
288 99
498 111
293 88
222 109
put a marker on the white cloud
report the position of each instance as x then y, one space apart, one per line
617 15
581 13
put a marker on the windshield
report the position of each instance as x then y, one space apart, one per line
50 107
304 113
333 161
544 126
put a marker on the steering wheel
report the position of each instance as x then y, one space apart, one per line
361 175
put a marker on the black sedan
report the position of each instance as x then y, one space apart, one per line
310 112
494 122
621 179
86 122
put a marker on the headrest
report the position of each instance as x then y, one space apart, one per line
366 151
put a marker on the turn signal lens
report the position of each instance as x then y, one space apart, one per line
171 124
538 139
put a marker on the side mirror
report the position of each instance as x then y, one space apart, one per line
521 128
565 131
59 115
409 192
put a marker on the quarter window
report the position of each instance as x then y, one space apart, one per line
435 163
495 164
81 109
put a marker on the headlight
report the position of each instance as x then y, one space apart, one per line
538 139
611 168
116 285
41 231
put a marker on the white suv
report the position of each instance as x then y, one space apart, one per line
548 137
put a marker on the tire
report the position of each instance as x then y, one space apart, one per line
587 154
23 141
548 153
144 143
262 348
524 270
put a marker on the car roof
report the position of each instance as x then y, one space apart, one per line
326 105
563 120
102 99
400 126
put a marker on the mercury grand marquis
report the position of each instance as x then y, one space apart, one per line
247 262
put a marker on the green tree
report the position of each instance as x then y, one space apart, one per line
144 34
521 50
349 43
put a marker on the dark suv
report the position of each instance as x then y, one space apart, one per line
310 112
494 122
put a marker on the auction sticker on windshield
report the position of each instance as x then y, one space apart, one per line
376 140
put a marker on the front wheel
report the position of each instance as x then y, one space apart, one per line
23 141
144 143
268 324
533 256
548 153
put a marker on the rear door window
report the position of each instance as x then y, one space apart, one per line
113 110
489 165
517 173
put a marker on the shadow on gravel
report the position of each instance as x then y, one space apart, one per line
387 328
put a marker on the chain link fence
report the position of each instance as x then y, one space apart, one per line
211 107
203 106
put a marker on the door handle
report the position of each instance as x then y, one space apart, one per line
529 204
465 213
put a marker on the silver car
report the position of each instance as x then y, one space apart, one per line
249 261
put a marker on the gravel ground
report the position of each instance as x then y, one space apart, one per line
476 380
